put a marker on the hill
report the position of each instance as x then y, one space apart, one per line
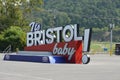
88 13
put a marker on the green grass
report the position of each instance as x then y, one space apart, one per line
98 47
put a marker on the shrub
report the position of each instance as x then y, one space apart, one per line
13 36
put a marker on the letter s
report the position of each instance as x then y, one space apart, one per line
49 35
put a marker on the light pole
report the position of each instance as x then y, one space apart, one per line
54 13
111 28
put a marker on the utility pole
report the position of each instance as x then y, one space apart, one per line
111 32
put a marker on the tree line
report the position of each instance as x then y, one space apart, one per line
95 13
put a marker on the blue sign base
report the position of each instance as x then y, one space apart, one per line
36 58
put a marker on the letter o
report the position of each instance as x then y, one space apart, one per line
70 29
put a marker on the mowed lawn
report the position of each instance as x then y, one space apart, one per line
101 47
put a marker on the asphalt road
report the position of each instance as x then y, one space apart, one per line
101 67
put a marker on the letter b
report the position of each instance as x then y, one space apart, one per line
55 49
29 39
65 50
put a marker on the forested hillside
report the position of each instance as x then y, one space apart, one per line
88 13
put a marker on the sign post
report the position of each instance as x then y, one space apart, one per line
111 32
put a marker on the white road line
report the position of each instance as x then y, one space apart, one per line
25 76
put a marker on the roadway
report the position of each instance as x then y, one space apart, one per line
101 67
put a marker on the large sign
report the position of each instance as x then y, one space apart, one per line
61 41
54 45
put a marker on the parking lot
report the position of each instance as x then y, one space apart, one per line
101 67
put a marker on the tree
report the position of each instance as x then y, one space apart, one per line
13 12
13 36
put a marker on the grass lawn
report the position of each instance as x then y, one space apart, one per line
101 47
